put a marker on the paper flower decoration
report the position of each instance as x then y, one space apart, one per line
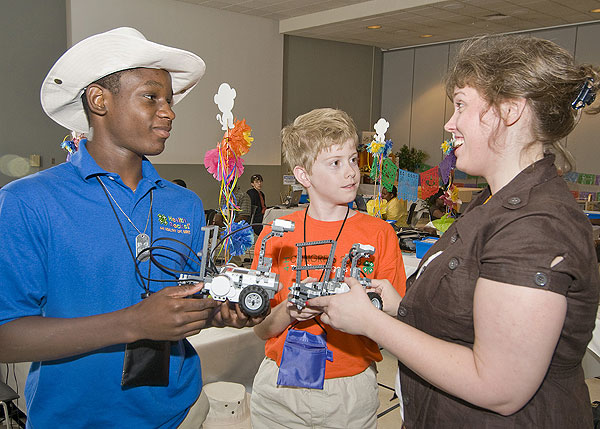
226 165
238 138
71 143
382 149
240 239
223 163
442 224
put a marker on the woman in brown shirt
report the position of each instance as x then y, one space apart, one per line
496 320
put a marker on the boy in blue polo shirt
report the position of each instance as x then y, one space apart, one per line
71 295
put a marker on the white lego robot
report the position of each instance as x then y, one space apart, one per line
252 289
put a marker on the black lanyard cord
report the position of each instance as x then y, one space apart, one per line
144 286
336 238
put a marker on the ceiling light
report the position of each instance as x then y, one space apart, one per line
495 17
374 27
426 35
595 10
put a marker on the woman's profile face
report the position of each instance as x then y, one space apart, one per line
473 125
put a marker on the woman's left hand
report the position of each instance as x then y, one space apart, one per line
348 312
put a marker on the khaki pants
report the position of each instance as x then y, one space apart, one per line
197 413
345 402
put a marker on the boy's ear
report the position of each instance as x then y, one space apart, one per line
302 176
96 99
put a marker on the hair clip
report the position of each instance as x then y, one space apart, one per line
586 95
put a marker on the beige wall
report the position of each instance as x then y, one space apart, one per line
245 51
415 104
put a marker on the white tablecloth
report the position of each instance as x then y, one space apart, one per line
411 263
229 354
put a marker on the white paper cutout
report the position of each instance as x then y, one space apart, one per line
224 99
381 126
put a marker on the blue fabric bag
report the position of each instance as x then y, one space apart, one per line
303 359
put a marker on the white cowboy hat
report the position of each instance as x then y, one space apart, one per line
229 406
105 53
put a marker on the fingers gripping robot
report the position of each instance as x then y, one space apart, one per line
302 292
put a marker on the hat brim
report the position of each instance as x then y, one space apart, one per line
106 53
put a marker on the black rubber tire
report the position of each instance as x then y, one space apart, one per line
254 301
375 300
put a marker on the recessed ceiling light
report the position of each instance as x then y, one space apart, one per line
495 17
426 35
374 27
595 10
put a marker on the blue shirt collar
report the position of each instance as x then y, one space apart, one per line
87 168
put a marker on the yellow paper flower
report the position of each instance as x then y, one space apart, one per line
446 146
375 146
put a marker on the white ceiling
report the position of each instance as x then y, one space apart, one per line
403 22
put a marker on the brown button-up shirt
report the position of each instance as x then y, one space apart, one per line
511 239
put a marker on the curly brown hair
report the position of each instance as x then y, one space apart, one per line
514 66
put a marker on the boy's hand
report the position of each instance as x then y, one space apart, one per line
169 315
230 314
348 312
301 315
390 296
306 313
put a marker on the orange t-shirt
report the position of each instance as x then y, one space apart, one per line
351 353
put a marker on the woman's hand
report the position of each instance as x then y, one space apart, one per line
390 296
348 312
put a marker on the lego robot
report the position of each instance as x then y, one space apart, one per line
252 289
302 292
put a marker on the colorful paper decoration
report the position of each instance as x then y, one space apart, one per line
586 179
430 182
382 172
71 143
583 195
408 185
446 166
571 176
225 163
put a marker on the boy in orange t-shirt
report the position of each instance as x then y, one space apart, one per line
320 146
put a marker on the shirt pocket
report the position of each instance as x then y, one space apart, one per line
449 297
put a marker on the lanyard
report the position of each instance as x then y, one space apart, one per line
336 238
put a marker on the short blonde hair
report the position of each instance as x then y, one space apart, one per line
512 66
313 132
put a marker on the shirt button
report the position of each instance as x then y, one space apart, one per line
514 201
541 279
111 178
405 400
454 238
402 311
453 263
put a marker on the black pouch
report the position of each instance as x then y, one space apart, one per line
146 363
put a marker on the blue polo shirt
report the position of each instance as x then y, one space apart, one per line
64 255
